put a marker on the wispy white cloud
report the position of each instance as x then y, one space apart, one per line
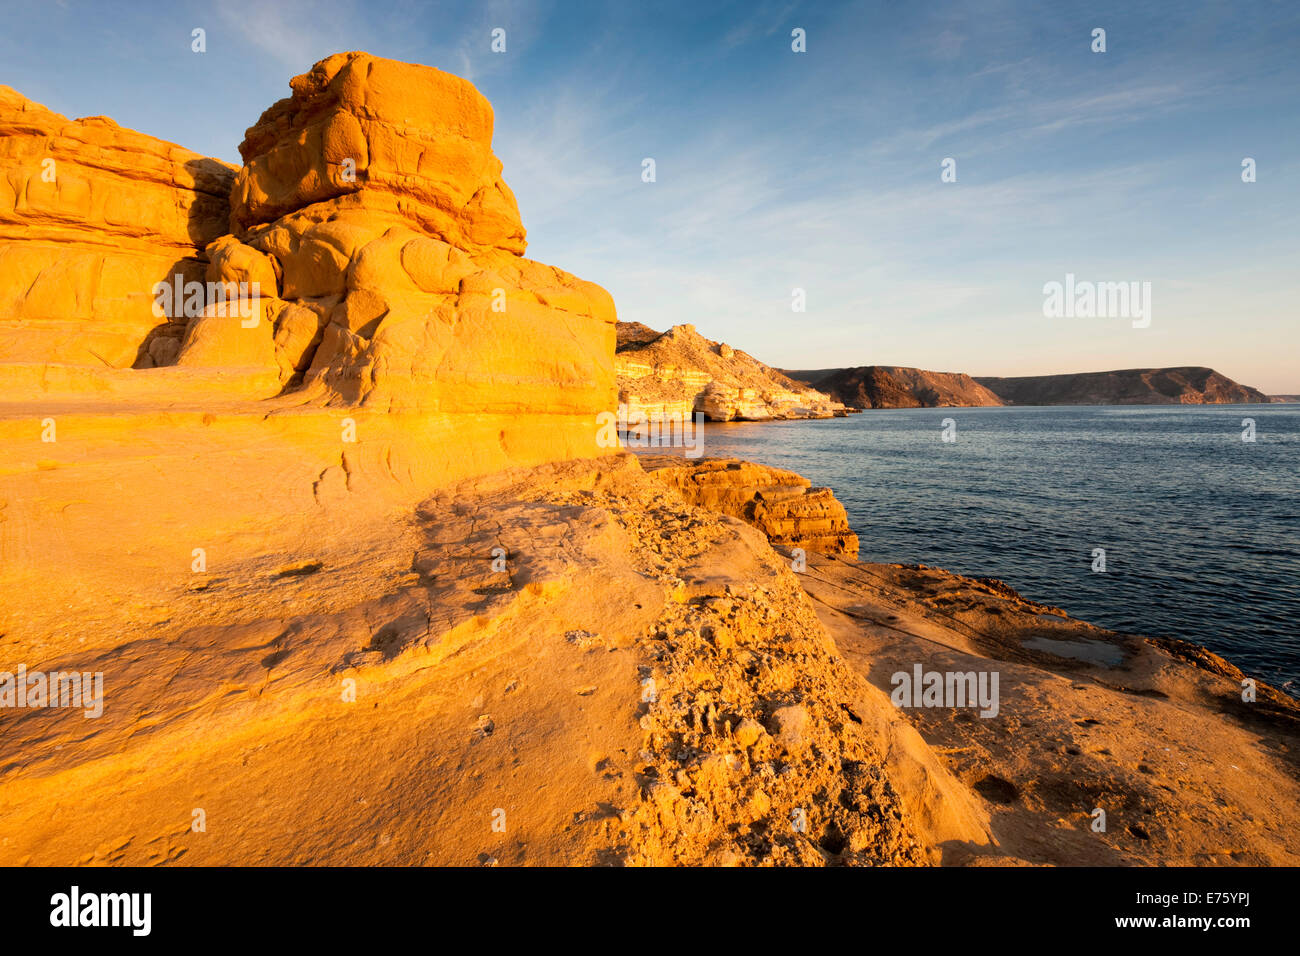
765 19
295 33
814 174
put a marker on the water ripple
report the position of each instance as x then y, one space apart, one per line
1201 530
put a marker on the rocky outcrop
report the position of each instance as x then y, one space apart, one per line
890 386
781 504
1134 386
368 256
378 248
1152 732
569 664
91 217
680 372
361 132
371 204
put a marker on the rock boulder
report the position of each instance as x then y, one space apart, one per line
91 217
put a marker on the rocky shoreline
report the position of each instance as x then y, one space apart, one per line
362 586
633 676
1089 719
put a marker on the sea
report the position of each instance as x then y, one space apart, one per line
1192 510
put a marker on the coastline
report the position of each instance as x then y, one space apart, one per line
782 538
1140 694
361 582
770 687
953 506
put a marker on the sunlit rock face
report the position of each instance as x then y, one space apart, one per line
781 504
386 136
372 249
91 217
385 337
681 372
371 200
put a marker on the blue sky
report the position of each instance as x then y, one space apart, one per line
816 170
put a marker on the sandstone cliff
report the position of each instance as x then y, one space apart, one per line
889 386
372 207
91 216
1134 386
378 254
681 372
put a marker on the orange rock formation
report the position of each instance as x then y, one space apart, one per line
371 205
361 587
91 216
780 503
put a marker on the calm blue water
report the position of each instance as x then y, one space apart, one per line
1201 530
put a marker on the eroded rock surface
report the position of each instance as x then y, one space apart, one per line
613 674
681 372
91 216
781 504
372 205
1153 733
374 254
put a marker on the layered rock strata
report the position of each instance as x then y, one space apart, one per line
374 255
680 372
91 217
371 203
889 386
781 504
